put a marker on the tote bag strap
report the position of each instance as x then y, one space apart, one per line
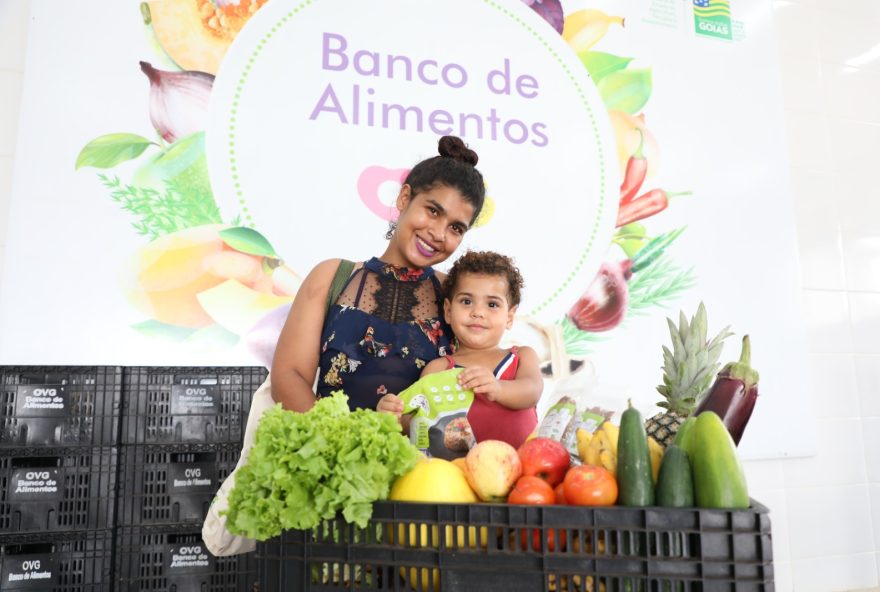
343 272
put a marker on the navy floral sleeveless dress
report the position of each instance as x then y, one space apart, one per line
385 326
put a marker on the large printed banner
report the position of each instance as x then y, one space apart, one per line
182 165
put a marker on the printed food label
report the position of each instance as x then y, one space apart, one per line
192 478
195 399
33 484
35 400
28 572
189 558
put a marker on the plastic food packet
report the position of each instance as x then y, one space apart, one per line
439 408
578 401
557 418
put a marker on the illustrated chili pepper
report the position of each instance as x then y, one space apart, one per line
645 206
734 393
636 170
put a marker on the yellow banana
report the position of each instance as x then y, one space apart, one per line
583 443
601 450
593 449
608 458
613 432
655 449
584 28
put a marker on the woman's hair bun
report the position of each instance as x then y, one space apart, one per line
453 147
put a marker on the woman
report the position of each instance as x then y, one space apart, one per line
387 323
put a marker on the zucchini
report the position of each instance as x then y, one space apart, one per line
719 479
675 485
634 479
685 435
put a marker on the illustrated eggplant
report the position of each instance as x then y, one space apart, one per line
734 393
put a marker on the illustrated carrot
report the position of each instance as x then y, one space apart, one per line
636 170
645 206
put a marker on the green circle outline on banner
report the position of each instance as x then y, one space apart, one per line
239 88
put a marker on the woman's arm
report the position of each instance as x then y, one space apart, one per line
296 356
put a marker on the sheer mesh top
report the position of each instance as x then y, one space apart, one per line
382 330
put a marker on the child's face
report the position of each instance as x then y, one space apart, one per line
478 311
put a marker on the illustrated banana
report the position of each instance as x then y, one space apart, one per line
584 28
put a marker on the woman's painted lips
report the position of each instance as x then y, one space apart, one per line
424 248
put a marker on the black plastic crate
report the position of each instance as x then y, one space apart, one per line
59 405
60 562
172 483
57 489
454 547
177 405
175 558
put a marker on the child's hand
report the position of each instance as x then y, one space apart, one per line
390 403
480 380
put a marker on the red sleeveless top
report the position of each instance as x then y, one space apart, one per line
493 421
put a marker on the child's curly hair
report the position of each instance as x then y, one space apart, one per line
486 263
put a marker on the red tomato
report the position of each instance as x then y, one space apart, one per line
536 539
560 494
588 485
531 491
544 458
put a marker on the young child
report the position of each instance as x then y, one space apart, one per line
482 292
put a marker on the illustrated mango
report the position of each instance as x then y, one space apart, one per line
172 271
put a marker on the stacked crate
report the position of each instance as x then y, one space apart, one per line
59 430
182 430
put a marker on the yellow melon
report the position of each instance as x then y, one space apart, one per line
196 33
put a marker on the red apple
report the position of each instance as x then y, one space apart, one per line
544 458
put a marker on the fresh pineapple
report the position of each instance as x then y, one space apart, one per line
688 371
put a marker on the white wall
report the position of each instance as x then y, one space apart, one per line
825 509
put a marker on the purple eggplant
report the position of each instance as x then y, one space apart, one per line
734 393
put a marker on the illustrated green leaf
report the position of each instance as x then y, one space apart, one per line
654 249
578 342
600 64
106 152
159 213
626 90
158 330
247 240
658 285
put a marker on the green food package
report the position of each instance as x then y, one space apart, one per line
439 408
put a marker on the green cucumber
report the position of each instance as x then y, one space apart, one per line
634 480
675 484
719 479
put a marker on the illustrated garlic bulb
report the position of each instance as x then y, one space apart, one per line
178 101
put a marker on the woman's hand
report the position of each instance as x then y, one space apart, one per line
390 404
481 381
